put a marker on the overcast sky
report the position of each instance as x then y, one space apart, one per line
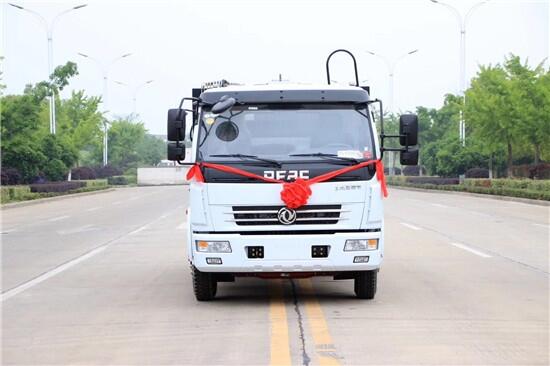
180 44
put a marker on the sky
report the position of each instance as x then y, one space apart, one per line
181 44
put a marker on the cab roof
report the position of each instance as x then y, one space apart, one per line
288 93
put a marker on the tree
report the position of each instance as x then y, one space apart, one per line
151 150
27 144
79 120
124 139
529 98
490 111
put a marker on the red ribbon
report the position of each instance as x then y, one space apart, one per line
294 194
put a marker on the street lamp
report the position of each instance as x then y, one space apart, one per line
135 91
105 72
391 69
49 27
462 21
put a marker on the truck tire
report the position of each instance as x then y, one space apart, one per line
204 285
365 284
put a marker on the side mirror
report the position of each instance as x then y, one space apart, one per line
176 152
176 125
409 157
408 125
224 104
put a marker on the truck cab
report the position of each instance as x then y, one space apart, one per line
238 225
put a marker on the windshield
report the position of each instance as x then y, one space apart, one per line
286 132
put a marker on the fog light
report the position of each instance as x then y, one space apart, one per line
353 245
213 260
363 259
213 246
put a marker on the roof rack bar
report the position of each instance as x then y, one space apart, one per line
354 65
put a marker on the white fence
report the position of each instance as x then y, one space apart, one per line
162 176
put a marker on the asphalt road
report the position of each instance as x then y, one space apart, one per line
104 279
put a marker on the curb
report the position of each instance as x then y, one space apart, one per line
49 199
480 195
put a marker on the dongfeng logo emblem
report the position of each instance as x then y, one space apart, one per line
286 216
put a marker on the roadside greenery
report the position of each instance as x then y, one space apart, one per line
522 188
506 109
31 154
507 114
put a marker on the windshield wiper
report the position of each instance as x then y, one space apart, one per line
252 157
330 157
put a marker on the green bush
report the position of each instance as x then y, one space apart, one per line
55 170
57 186
132 179
131 171
540 194
117 180
475 182
17 193
96 183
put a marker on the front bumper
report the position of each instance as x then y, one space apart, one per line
287 253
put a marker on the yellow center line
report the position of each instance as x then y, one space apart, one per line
280 350
324 347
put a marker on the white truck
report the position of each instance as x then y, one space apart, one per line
285 182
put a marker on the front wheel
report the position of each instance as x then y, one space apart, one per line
204 285
365 284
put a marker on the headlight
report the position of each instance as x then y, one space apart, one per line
213 246
354 245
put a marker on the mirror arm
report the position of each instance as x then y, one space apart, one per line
184 163
382 135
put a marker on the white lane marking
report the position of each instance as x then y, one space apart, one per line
14 291
480 214
25 286
139 229
93 209
117 202
58 218
134 198
182 226
471 250
77 230
411 226
163 216
439 205
541 225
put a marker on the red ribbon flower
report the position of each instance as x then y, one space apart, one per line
295 194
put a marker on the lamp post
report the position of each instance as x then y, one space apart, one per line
135 89
105 72
391 69
462 22
49 27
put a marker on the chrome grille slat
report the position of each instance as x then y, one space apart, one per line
297 220
275 211
267 215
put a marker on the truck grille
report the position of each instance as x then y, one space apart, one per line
267 215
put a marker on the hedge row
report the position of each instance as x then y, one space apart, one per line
87 173
57 186
122 180
402 180
17 193
498 191
23 193
534 185
96 183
